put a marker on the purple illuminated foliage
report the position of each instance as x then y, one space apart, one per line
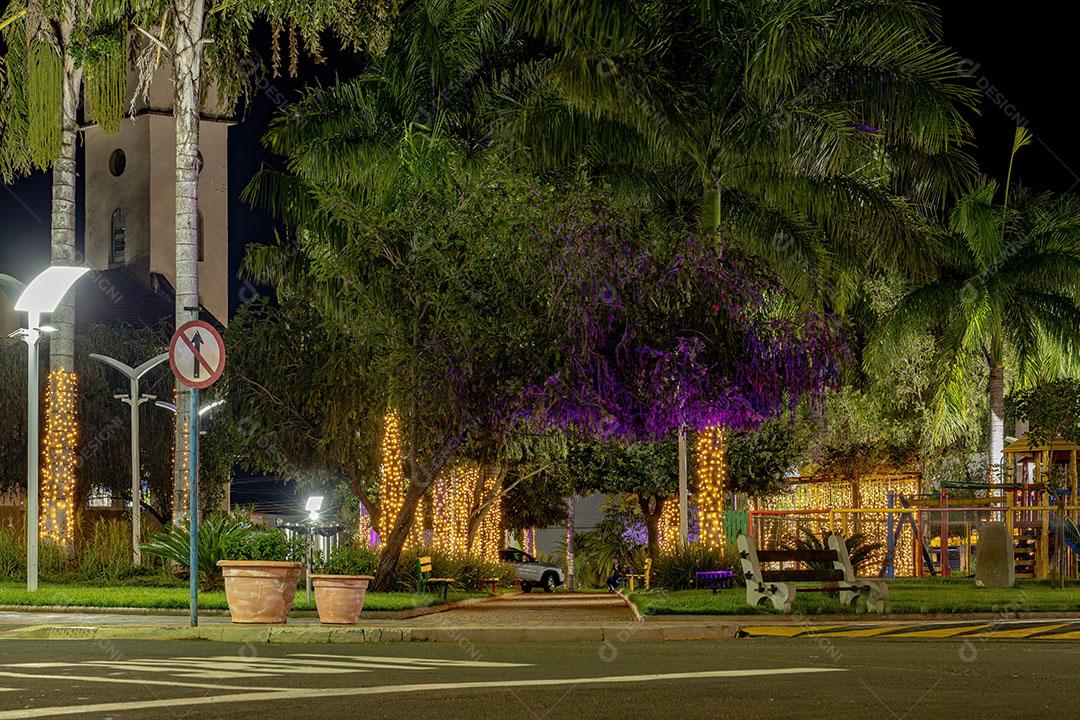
664 329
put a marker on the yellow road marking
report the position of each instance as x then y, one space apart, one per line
862 632
1075 635
941 632
1021 633
787 630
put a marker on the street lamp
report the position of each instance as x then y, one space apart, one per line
41 296
314 504
134 399
203 411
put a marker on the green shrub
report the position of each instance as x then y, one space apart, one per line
104 553
219 536
273 545
675 570
12 554
595 554
349 560
469 570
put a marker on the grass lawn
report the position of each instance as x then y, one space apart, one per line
905 596
71 595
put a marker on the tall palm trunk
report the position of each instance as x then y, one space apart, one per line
187 69
58 476
996 443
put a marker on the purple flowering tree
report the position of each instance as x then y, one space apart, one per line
664 330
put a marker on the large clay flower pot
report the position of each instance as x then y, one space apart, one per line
260 591
340 598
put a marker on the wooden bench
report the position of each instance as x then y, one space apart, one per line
778 586
644 577
424 581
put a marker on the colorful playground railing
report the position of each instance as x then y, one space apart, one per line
927 531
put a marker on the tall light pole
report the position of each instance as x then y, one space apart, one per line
684 504
134 399
41 296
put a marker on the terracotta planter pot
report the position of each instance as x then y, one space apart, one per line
260 591
340 598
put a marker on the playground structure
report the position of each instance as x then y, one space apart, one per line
919 534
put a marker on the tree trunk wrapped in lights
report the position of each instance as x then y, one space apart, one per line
58 476
712 473
392 481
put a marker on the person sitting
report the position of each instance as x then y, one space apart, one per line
615 578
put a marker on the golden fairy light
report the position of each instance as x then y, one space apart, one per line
58 476
807 497
668 528
712 476
391 474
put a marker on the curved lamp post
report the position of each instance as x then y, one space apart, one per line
41 296
134 399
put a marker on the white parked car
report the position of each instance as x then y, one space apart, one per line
532 573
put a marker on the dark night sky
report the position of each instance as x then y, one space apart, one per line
1025 55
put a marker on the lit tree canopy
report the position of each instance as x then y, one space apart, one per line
663 330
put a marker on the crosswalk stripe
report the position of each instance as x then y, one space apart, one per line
231 667
122 681
319 693
399 661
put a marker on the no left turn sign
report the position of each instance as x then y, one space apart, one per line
197 354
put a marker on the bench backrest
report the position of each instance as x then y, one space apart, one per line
836 556
424 565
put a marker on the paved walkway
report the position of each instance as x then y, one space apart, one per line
537 609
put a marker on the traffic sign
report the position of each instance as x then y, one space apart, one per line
197 354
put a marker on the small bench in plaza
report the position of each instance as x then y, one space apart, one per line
714 579
643 577
779 586
424 581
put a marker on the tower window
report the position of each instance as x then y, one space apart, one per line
117 163
117 241
199 235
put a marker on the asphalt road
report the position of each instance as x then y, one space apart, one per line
760 678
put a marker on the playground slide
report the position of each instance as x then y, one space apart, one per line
1072 535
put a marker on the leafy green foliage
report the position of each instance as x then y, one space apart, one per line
470 571
771 121
273 545
1006 289
758 460
1052 410
676 570
298 407
220 537
348 560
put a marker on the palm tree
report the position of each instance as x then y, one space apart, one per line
813 131
1007 288
208 41
51 49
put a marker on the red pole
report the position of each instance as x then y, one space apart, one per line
943 548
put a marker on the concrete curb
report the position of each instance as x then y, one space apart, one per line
331 634
630 604
183 612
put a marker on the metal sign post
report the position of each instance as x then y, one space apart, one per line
193 508
197 359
